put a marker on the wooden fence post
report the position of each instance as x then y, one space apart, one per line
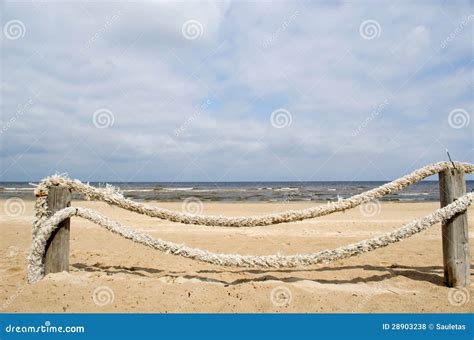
456 258
57 248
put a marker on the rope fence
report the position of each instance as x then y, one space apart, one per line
46 223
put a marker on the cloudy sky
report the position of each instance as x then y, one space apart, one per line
220 91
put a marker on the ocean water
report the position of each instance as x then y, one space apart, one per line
247 191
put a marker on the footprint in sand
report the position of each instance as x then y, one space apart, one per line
14 269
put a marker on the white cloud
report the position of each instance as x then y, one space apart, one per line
251 59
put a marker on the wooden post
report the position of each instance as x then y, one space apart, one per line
57 248
456 258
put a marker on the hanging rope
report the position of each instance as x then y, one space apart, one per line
114 197
36 258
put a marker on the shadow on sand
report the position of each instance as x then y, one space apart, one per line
432 274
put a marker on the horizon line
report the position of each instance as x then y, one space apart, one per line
248 181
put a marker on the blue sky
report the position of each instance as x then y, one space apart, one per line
221 91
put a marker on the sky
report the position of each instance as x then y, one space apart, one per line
234 91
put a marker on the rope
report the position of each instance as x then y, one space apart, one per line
36 258
113 197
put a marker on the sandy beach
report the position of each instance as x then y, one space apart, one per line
111 274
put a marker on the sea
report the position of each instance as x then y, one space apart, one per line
247 191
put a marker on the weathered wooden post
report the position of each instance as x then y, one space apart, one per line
57 248
456 258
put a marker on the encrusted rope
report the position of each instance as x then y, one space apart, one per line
36 258
114 197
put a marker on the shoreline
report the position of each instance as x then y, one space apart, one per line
243 192
224 201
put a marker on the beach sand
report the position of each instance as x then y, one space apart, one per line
111 274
